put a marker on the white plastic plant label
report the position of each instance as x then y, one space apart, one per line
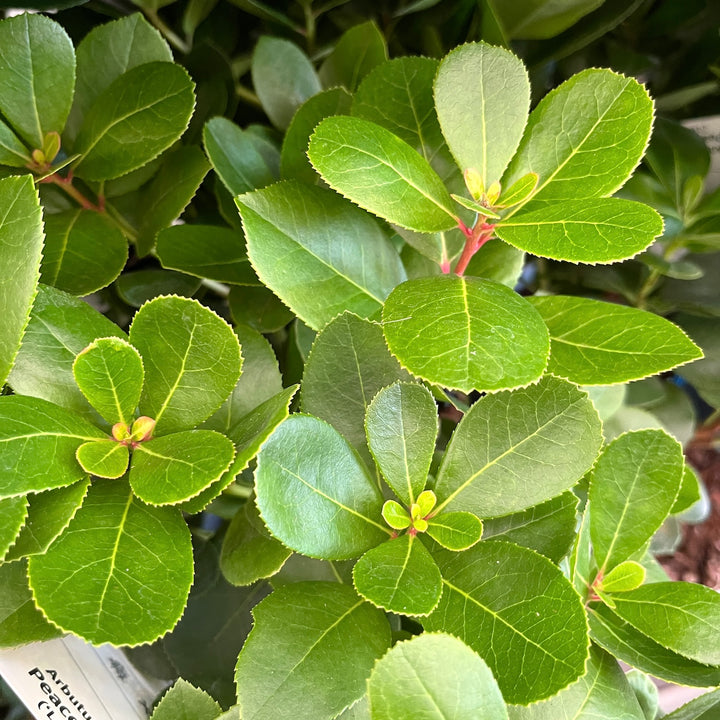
708 128
68 679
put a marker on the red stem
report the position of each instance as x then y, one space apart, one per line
476 238
66 185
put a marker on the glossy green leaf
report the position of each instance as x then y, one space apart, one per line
395 515
37 76
689 492
314 493
539 441
455 530
681 616
434 677
497 261
601 230
632 490
121 133
401 424
84 251
21 243
49 513
103 458
628 575
183 701
399 576
519 191
109 373
12 151
169 469
358 51
701 708
606 120
294 162
533 634
381 173
601 343
465 333
482 94
131 564
538 19
317 252
178 339
304 631
348 365
603 693
138 287
13 513
259 308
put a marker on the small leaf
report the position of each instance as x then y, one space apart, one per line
519 191
12 151
381 173
109 373
628 575
13 513
475 206
434 676
601 343
399 576
395 515
103 458
301 632
465 333
183 701
455 530
499 262
689 492
401 424
259 308
138 287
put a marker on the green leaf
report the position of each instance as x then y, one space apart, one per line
455 530
314 493
606 120
170 191
626 643
12 151
401 424
519 191
689 492
434 676
358 51
537 19
13 513
138 287
547 528
600 230
249 552
395 515
130 563
49 513
704 375
109 373
399 576
103 458
603 693
304 631
681 616
701 708
259 308
235 156
121 132
601 343
633 487
482 94
317 252
538 442
381 173
38 441
180 339
37 76
294 162
497 261
359 710
172 468
533 633
183 701
628 575
348 365
283 78
21 243
465 333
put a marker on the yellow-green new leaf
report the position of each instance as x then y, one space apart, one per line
103 458
455 530
184 701
628 575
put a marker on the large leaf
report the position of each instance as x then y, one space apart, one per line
183 701
538 442
600 343
121 131
401 424
482 95
434 676
605 119
314 493
532 633
37 76
304 631
192 361
591 231
317 252
381 173
38 442
13 512
131 565
539 19
465 333
21 243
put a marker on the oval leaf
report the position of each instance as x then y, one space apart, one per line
103 458
183 701
626 576
455 530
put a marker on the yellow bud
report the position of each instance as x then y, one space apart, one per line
493 193
120 431
142 428
474 183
